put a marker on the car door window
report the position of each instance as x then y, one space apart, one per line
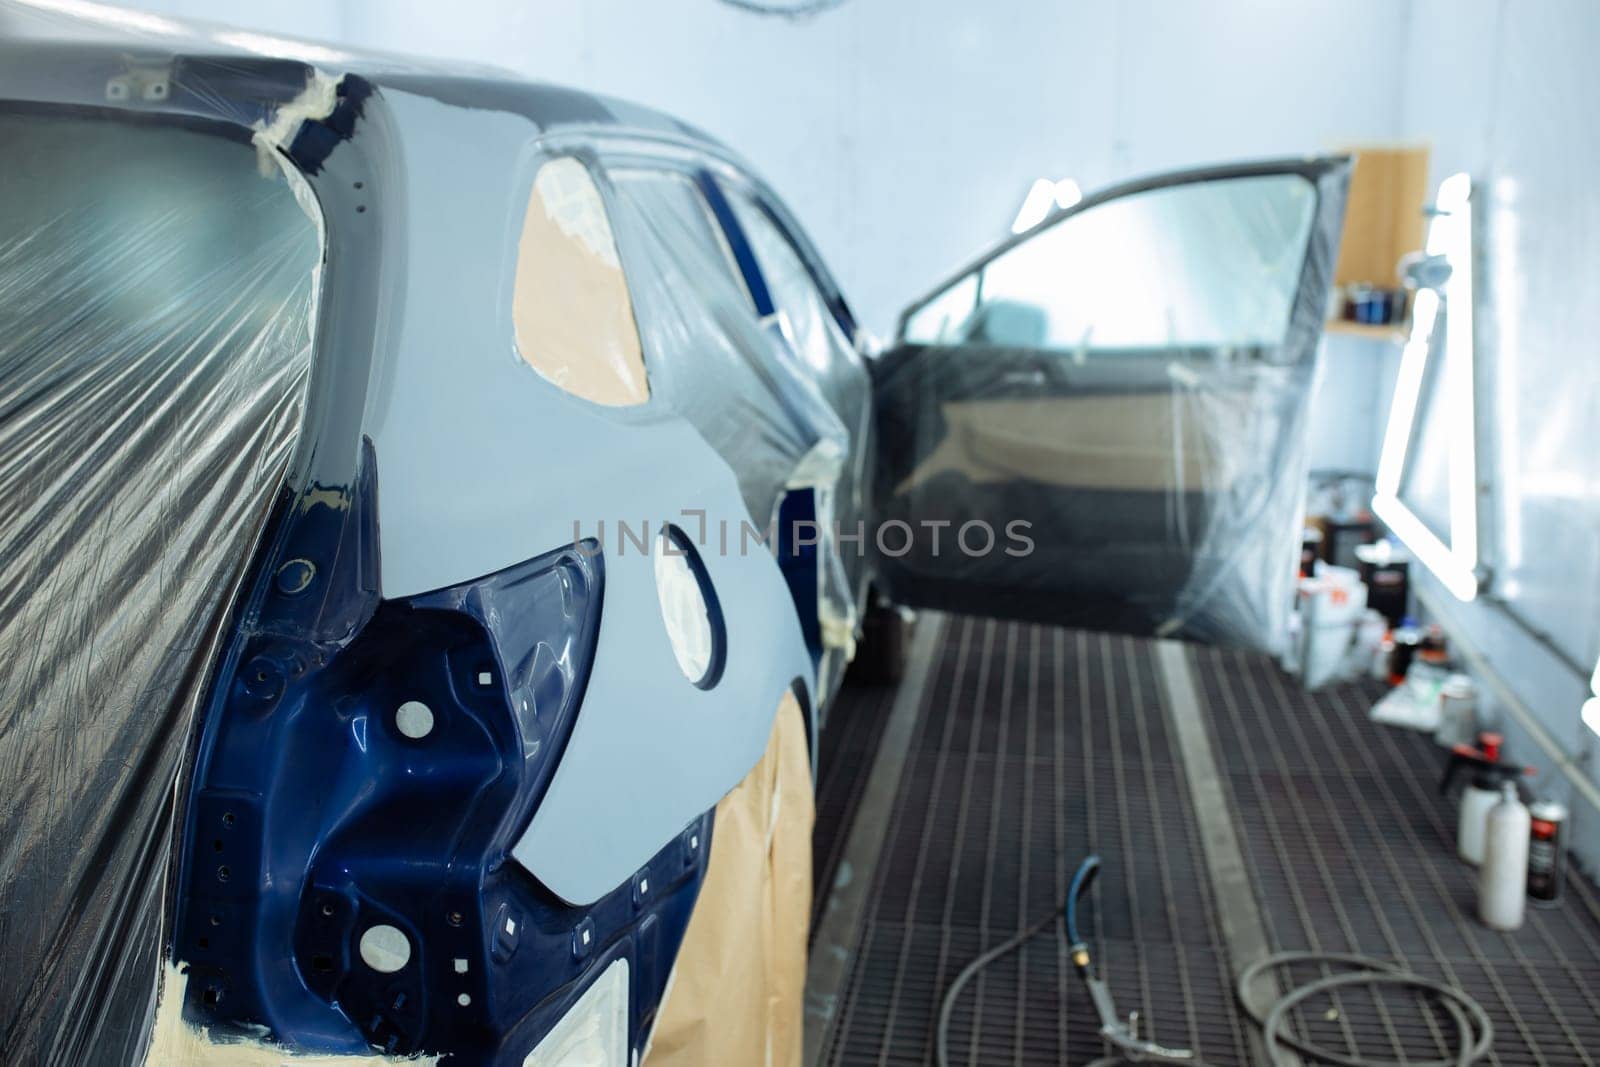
1210 265
1126 385
941 318
572 315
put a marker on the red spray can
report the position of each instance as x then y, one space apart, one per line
1547 853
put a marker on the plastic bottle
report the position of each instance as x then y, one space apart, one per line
1380 661
1481 793
1503 877
1472 823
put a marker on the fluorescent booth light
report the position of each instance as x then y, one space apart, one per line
1043 195
1453 556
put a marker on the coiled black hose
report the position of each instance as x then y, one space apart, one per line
1474 1031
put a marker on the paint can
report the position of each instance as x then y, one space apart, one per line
1458 711
1547 853
1398 302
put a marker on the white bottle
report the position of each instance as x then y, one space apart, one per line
1477 799
1503 877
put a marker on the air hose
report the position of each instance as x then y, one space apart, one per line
947 1006
1116 1032
1474 1032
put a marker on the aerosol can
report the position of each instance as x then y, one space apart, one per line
1503 877
1547 853
1482 790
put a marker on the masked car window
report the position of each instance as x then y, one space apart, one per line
157 307
675 205
571 311
810 323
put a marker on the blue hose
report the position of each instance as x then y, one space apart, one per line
1081 881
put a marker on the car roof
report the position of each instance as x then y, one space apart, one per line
51 52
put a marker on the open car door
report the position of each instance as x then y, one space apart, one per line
1102 422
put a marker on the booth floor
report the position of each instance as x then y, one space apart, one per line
1029 747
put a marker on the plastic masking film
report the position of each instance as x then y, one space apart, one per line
711 360
734 378
157 298
1128 390
831 360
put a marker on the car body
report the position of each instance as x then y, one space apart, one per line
399 733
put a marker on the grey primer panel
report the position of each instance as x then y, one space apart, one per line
484 464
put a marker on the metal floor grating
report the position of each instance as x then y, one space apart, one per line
1351 849
1035 745
844 758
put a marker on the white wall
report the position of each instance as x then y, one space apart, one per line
1507 92
1352 403
904 134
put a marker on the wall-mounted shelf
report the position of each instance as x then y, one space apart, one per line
1394 333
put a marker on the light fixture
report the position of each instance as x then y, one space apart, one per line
1067 193
1454 561
1044 194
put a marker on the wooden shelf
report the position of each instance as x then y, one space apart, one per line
1384 218
1394 333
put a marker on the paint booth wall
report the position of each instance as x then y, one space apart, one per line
905 134
1506 92
1352 404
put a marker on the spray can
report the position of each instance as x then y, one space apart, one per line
1503 877
1547 853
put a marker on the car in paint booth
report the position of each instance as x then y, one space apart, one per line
421 487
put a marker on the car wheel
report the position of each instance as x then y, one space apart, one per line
885 645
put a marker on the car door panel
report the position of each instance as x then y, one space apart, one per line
1145 439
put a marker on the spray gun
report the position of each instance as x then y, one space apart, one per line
1488 773
1122 1035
